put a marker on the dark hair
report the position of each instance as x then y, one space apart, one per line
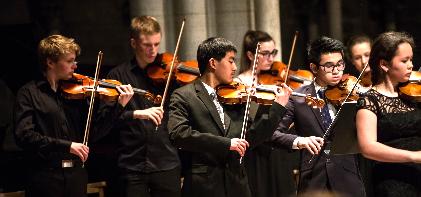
321 46
213 47
384 48
251 38
357 39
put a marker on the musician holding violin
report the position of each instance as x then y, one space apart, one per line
148 163
359 48
326 172
388 122
50 127
263 162
209 133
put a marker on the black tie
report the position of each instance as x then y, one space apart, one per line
325 110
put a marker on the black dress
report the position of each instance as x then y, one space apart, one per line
398 126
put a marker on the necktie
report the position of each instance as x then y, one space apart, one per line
218 107
325 110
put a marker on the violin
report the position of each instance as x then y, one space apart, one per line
236 93
80 87
337 94
184 72
276 76
411 90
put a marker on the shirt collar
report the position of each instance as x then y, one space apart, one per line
208 88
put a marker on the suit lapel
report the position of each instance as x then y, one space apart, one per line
227 122
316 111
203 95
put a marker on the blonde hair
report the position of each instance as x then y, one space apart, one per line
144 25
55 46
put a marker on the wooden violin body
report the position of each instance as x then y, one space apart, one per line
80 87
337 94
277 74
411 90
236 93
183 72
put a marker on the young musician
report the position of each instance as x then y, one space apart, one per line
148 162
209 134
359 48
263 162
51 128
338 173
388 125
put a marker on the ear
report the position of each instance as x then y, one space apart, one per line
250 55
212 63
384 65
50 63
313 68
133 43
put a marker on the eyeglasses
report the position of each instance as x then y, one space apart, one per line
74 62
266 54
328 67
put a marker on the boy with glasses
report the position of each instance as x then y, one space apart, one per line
326 172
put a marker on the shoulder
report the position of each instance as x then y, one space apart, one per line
30 86
369 100
186 89
123 67
28 90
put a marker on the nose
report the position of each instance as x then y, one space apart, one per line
335 70
364 60
411 65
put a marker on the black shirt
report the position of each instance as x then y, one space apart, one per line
46 123
142 149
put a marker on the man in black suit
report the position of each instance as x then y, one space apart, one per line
208 134
337 173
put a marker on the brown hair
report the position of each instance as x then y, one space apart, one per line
55 46
144 25
251 38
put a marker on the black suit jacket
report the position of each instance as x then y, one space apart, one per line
210 168
339 172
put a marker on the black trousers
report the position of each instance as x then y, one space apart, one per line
155 184
57 182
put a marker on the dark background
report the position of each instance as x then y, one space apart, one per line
102 25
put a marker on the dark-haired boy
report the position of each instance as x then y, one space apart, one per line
337 173
209 134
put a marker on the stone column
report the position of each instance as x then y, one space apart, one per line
195 29
233 19
268 19
334 10
153 8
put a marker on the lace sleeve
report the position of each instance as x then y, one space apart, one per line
368 101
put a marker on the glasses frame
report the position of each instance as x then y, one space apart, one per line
272 53
332 67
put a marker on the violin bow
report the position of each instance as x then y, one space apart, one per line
167 84
252 88
290 56
328 131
